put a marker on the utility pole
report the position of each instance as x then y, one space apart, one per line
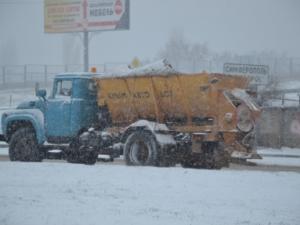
86 50
85 38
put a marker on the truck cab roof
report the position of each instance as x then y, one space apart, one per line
77 75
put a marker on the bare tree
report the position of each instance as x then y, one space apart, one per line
183 54
71 50
199 56
176 49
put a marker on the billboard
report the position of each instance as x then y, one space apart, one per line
62 16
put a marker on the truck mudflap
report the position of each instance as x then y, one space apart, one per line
2 137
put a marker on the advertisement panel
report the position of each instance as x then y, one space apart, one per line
62 16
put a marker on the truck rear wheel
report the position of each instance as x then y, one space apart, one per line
23 146
141 149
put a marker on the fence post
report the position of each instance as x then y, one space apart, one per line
25 73
45 74
275 67
283 127
3 74
291 67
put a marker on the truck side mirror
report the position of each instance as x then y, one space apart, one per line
41 93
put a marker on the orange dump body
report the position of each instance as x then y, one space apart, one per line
177 99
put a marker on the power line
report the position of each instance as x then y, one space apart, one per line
20 2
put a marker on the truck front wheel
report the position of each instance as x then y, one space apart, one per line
23 146
141 149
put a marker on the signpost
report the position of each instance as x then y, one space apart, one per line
62 16
259 73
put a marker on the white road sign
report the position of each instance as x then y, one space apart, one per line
259 73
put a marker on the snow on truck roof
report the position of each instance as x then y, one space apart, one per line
72 75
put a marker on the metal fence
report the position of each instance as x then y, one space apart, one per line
279 127
27 75
24 75
280 68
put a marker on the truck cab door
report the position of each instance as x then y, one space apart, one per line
58 110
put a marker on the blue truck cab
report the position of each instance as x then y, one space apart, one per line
70 109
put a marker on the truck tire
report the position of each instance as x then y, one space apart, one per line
141 149
23 146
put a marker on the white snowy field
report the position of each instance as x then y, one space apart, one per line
290 152
12 97
3 151
278 157
63 194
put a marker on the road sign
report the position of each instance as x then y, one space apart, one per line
85 15
259 73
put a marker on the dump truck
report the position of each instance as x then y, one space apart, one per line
152 116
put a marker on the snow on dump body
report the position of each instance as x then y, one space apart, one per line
159 68
162 67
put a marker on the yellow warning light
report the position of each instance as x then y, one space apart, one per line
93 70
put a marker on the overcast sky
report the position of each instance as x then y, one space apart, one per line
238 26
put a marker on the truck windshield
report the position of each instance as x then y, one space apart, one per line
92 88
64 88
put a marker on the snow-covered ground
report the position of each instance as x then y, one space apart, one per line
61 193
272 157
284 151
278 157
